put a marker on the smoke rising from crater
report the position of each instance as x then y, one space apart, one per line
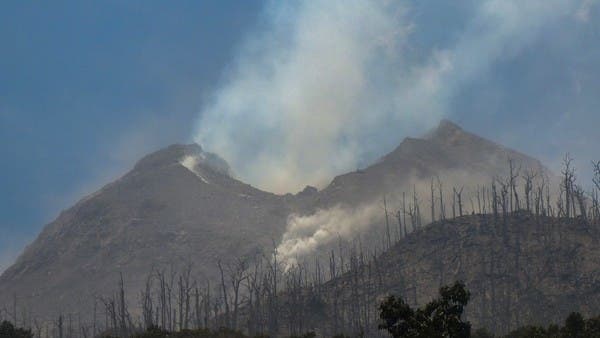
325 84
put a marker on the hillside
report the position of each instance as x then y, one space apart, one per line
458 157
181 205
521 270
158 215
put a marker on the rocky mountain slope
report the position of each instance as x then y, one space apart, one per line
458 157
181 205
520 270
173 207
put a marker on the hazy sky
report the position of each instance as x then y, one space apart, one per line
87 87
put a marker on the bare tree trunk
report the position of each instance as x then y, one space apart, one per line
122 308
404 212
441 191
512 182
432 201
237 276
568 174
387 223
224 294
60 327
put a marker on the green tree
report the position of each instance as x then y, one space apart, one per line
574 326
8 330
439 318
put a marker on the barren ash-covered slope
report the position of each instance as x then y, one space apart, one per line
158 214
521 270
180 205
458 157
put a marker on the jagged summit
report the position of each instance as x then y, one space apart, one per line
177 153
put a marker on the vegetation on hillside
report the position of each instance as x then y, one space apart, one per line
439 318
261 296
8 330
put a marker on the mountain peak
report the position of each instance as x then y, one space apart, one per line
178 152
446 131
166 156
447 125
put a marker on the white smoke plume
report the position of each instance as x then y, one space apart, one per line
190 162
304 95
311 93
305 234
317 90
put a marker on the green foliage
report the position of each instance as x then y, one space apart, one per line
575 327
8 330
439 318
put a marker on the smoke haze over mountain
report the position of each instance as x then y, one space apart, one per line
318 88
313 92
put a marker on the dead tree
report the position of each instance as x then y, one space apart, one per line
146 303
255 290
458 194
596 179
401 231
387 223
568 176
94 321
110 313
183 296
548 205
512 182
505 205
432 201
237 275
272 290
197 308
595 209
60 326
162 299
38 327
528 177
441 192
579 195
404 212
453 202
124 319
224 294
504 199
417 208
206 301
596 190
478 201
540 207
495 200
